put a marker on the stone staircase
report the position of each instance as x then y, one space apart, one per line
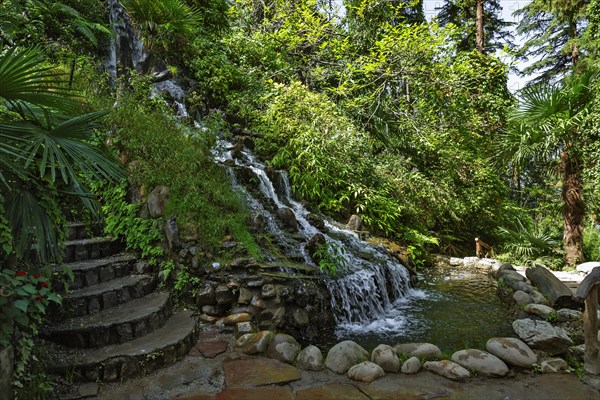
114 324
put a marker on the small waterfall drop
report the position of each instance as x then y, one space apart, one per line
371 281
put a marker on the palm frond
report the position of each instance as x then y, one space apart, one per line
63 151
24 78
32 228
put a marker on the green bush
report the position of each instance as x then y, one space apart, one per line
158 150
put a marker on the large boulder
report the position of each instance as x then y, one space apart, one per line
481 362
366 371
157 201
426 351
587 267
447 369
542 335
411 366
310 359
283 348
512 351
344 355
385 356
355 223
541 310
288 218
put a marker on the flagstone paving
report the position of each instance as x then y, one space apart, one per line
232 375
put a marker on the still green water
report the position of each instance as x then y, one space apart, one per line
451 308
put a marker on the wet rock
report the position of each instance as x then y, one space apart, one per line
344 355
554 365
300 317
447 369
288 218
268 291
283 348
259 222
355 223
426 351
213 311
258 343
172 233
522 286
245 296
206 297
566 314
243 339
385 356
157 201
310 359
316 221
540 310
505 267
542 335
315 242
521 298
366 371
235 318
411 366
509 276
209 319
481 362
512 351
223 295
243 328
538 298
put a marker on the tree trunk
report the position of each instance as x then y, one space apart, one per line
479 37
573 207
557 293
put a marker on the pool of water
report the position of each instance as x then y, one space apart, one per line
453 309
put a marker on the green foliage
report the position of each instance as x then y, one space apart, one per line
164 24
462 14
23 301
532 245
122 220
45 148
158 150
24 298
331 258
591 243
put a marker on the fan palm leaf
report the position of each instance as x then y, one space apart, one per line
43 146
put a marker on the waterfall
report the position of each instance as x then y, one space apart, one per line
371 281
127 50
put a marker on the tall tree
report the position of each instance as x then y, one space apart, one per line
479 34
547 127
553 29
481 24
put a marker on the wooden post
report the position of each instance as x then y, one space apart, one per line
480 246
589 290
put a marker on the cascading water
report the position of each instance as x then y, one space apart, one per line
371 281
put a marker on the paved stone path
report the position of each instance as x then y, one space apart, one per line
216 370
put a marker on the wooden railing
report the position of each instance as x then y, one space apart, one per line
483 249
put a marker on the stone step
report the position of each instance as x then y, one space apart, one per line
119 324
118 362
91 272
85 249
76 230
92 299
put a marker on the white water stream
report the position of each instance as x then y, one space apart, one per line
372 282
